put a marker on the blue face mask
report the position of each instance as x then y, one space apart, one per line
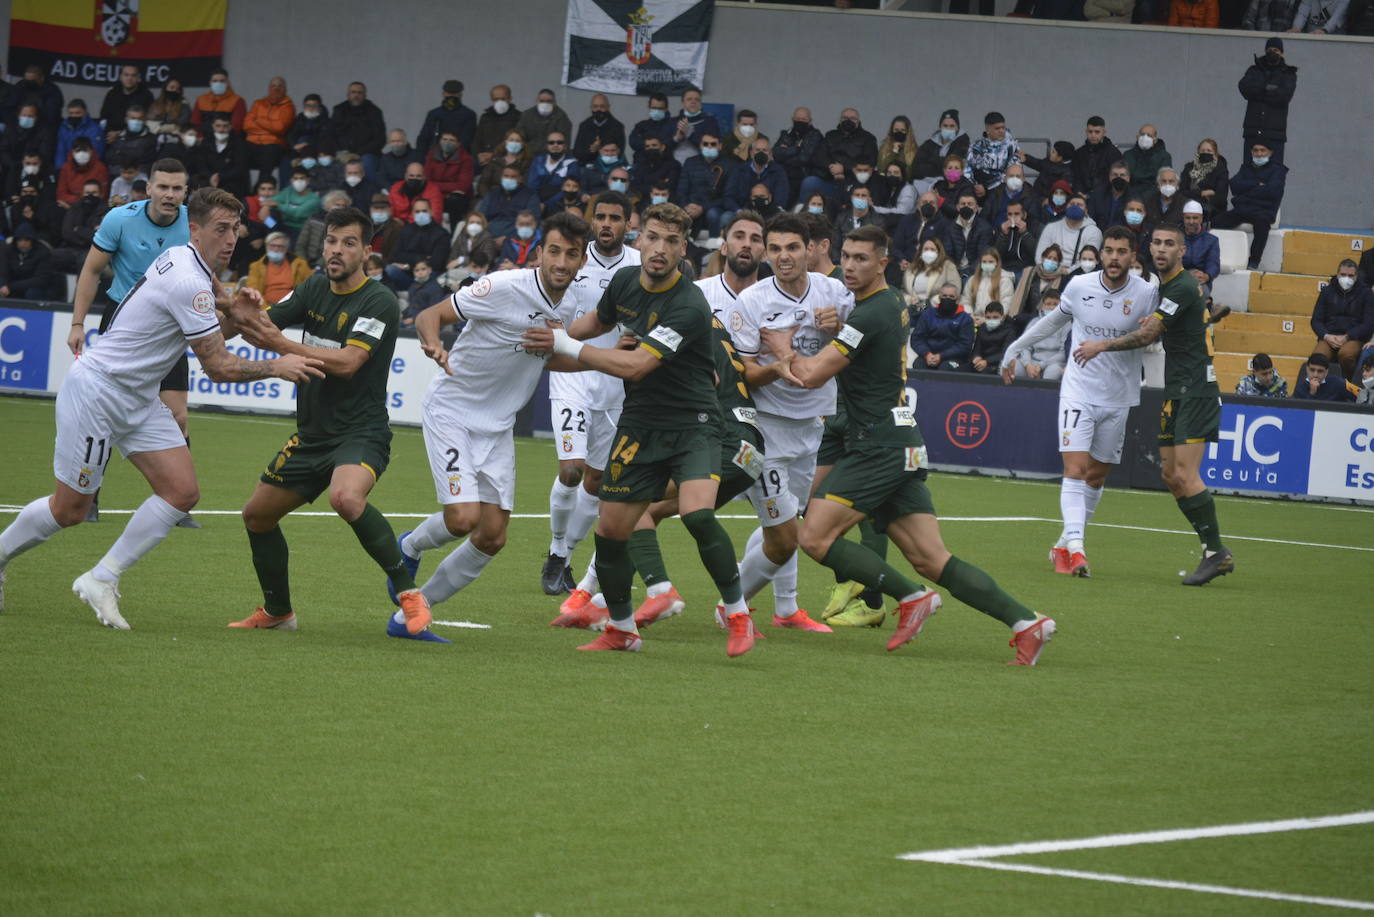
815 208
1049 265
619 185
276 257
1134 218
658 198
1260 160
308 162
946 135
631 235
657 114
709 152
525 232
859 204
219 87
26 122
133 124
509 184
423 218
1058 199
1075 212
609 160
514 146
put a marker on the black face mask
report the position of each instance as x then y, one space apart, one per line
74 121
947 305
927 210
569 195
966 213
1272 58
600 117
414 185
172 96
653 155
899 135
801 127
450 103
760 203
1205 158
90 198
1119 184
760 159
848 127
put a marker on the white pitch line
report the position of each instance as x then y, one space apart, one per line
469 624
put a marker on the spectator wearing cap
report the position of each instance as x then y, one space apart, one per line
1195 14
1270 15
544 118
1093 160
1202 250
1343 318
1107 202
1145 159
450 115
989 155
1320 17
1318 382
1164 203
600 128
1256 194
1207 179
267 126
310 128
385 227
1056 167
78 125
1054 204
1267 87
26 270
496 122
947 139
81 166
1263 381
278 271
220 99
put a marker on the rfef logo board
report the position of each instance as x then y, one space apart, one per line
25 341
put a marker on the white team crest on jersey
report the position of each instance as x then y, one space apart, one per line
203 302
455 485
481 288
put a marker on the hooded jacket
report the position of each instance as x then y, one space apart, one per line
270 120
207 104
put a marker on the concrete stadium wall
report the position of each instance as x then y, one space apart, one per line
1047 78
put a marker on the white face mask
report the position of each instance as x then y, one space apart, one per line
1145 141
188 140
300 185
473 229
929 257
1087 266
992 324
988 267
862 177
30 170
1168 190
544 108
221 136
81 158
326 160
500 106
353 181
1346 282
747 130
1015 183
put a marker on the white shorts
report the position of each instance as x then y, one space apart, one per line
789 466
1097 430
569 429
94 416
468 467
601 426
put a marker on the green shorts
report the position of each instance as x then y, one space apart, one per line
883 483
739 467
307 467
832 440
1189 420
644 460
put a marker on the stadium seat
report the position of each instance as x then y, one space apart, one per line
1235 248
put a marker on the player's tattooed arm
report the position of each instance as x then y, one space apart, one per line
1149 331
222 366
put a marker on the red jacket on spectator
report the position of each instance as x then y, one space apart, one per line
400 201
1195 14
452 175
73 176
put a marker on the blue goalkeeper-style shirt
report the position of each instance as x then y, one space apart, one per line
134 241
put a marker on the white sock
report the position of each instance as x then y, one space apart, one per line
33 526
430 534
581 520
756 570
149 524
1091 497
659 588
599 601
589 581
1073 509
785 588
734 608
561 500
628 626
463 565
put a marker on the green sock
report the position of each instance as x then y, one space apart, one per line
1201 512
616 573
853 561
876 542
270 557
647 558
379 541
717 553
972 586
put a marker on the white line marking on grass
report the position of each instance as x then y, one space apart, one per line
468 624
987 857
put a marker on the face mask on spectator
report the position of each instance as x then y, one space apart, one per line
815 208
311 113
862 177
219 87
299 185
953 175
988 266
657 114
308 162
1059 200
1145 141
966 213
658 198
947 305
760 159
1260 160
26 121
609 160
1087 265
133 124
927 210
801 126
1074 212
544 108
380 216
1346 282
929 257
500 106
188 140
514 146
1049 265
631 235
709 152
1120 184
760 203
326 160
353 181
509 184
423 218
221 136
473 229
946 134
618 184
447 147
1168 190
747 130
1134 218
82 157
1205 158
525 232
1015 183
992 324
276 257
859 204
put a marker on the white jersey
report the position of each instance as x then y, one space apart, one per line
591 388
765 305
493 374
172 303
719 295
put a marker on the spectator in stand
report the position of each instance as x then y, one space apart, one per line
692 122
223 160
1359 20
358 186
78 125
81 166
122 185
746 129
989 155
544 118
36 86
857 212
252 242
989 283
899 194
129 91
549 169
1137 222
502 204
311 127
375 267
1074 231
78 229
386 228
658 193
596 176
469 237
878 190
397 156
816 205
170 112
923 277
1263 380
360 128
1054 168
1256 194
134 144
424 292
26 134
1366 272
947 140
328 172
760 169
220 98
898 146
1202 252
801 152
569 198
414 186
1012 189
422 239
599 129
1107 203
1164 203
953 185
1366 395
515 153
1270 15
652 166
1267 87
701 186
1145 159
26 270
31 167
1108 11
519 248
1343 318
942 337
1195 14
267 126
38 207
969 236
991 341
1093 160
259 206
278 271
1046 359
1087 263
451 116
1035 284
310 242
1014 241
495 124
1320 17
1318 383
655 125
845 146
1206 178
925 222
295 203
448 169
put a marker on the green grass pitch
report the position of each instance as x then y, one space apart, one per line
186 768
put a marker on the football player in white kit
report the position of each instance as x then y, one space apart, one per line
1094 398
469 410
110 399
813 306
585 406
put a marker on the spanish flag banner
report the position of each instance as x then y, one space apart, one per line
88 41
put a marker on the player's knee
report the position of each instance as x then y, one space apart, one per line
347 503
570 477
815 544
488 543
701 524
460 518
184 498
780 542
591 481
68 515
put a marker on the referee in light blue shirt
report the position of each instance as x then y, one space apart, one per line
128 241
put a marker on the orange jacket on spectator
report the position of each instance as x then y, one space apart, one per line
452 175
73 176
272 116
231 102
274 281
400 201
1202 14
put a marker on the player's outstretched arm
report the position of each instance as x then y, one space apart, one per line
813 372
587 327
778 342
341 363
1150 330
632 365
222 366
1046 326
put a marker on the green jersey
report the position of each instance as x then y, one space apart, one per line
367 317
673 324
873 386
1188 371
731 390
